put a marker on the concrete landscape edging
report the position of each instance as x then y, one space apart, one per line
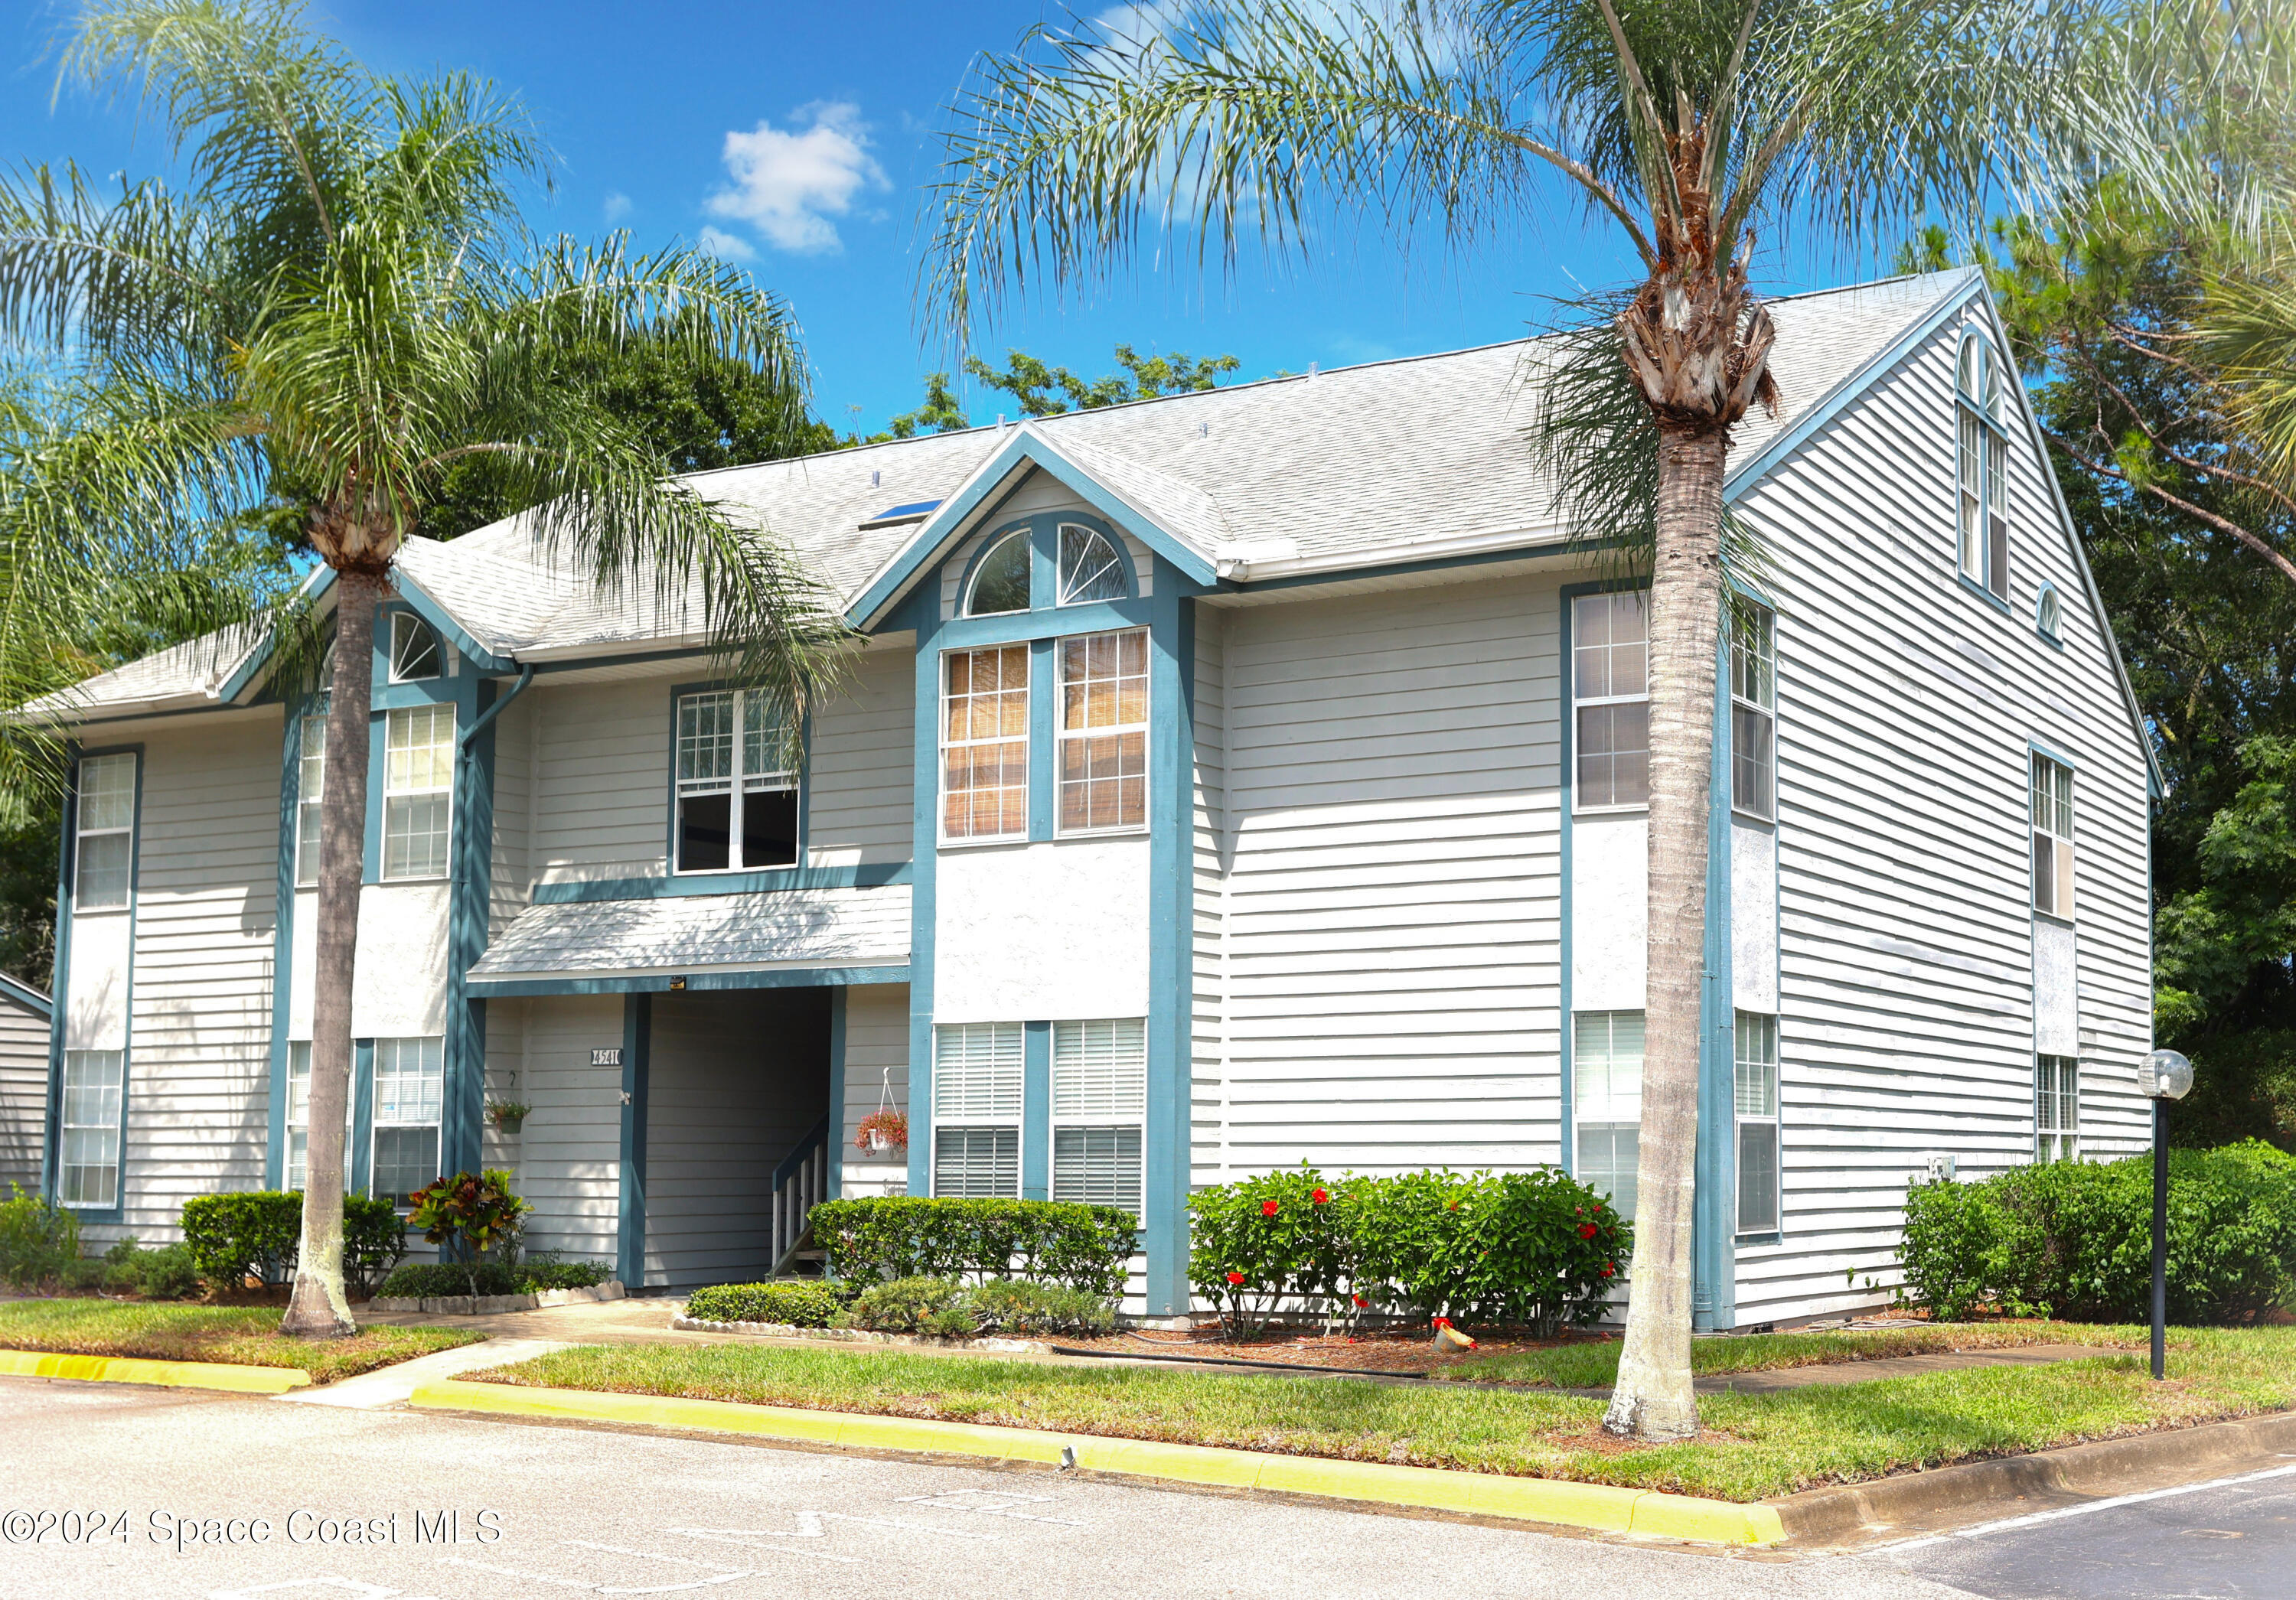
173 1374
2104 1468
790 1330
463 1305
1600 1506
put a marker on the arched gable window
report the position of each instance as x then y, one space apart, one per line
1090 568
2048 613
1982 488
413 649
1000 583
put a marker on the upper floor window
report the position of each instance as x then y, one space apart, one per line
1753 710
93 1099
1090 569
1100 1103
722 824
1609 693
984 738
103 846
1104 732
2048 613
310 792
2053 836
1000 583
977 1096
1981 468
418 775
413 649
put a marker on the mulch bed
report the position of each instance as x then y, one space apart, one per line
1403 1352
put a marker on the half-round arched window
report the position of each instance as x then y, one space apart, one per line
413 649
2048 610
1981 467
1000 583
1090 568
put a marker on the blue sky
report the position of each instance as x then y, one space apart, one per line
801 135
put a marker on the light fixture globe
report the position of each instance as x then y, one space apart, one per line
2164 1075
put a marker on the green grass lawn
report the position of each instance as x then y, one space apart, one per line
1754 1446
166 1331
1593 1364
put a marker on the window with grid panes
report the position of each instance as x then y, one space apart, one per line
1753 710
1609 693
88 1173
1606 1097
1981 468
103 843
310 793
2056 1108
1755 1085
984 791
410 1076
418 777
1104 732
299 1116
977 1097
725 824
2053 836
1100 1103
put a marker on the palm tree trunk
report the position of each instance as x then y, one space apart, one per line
319 1308
1653 1399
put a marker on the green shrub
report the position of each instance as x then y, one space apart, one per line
2074 1239
453 1280
253 1233
1537 1247
1087 1247
913 1305
801 1305
37 1241
167 1273
474 1211
1021 1306
554 1274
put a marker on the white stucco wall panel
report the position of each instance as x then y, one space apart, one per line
1610 912
1052 929
2056 989
399 989
303 964
96 1016
1754 916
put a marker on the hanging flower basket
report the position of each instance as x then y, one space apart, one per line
508 1116
882 1130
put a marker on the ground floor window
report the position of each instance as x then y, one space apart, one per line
89 1172
410 1078
977 1096
1606 1094
1100 1102
2056 1108
1756 1075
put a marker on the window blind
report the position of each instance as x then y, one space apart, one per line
977 1072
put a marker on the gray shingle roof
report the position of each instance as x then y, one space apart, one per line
1357 466
801 928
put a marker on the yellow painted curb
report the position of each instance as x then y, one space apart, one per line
1601 1507
174 1375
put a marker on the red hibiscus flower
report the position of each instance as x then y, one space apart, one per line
1585 1230
1267 1208
1610 1269
1235 1278
1360 1300
1320 1196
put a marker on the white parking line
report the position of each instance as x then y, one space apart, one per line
943 1502
2009 1524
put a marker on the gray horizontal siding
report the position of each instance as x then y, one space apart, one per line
876 1061
569 1152
23 1092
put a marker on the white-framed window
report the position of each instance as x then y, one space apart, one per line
1100 1107
1606 1097
2048 613
1000 583
1610 695
724 825
976 1094
103 844
1753 710
415 652
1090 568
310 792
2056 1108
410 1079
88 1173
1981 461
2053 836
298 1117
418 775
1755 1074
984 743
1103 733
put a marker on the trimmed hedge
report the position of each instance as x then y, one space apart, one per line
1537 1248
451 1280
254 1234
797 1305
2074 1239
1087 1247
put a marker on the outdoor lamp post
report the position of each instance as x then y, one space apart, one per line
2162 1077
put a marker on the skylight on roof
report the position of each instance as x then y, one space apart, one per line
915 511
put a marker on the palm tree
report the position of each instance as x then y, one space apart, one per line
1681 124
338 306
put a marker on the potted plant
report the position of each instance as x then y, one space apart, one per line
882 1130
508 1116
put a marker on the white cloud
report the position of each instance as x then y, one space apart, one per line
728 247
789 185
616 207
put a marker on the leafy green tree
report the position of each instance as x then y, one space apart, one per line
1049 391
338 307
1679 124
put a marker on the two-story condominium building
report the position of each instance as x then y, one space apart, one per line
1220 780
